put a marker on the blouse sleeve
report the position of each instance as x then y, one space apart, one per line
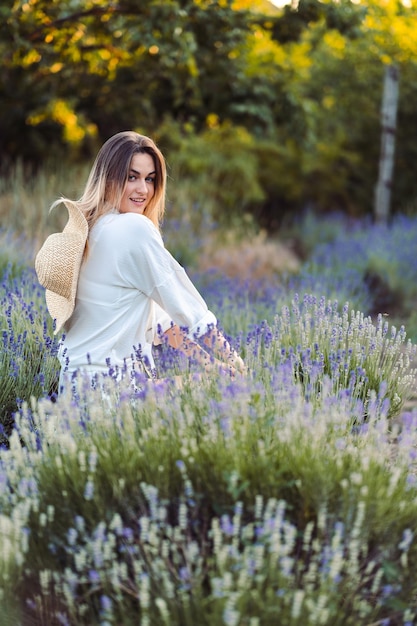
151 269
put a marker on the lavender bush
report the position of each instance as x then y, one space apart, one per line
16 254
225 502
284 496
381 256
358 356
28 364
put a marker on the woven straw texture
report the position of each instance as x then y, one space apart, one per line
58 265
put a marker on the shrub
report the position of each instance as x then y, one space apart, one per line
381 255
227 502
28 364
216 172
319 340
15 254
26 195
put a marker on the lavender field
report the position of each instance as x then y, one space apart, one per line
286 496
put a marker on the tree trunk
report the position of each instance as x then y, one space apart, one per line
386 161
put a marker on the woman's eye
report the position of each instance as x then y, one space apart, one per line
150 179
131 177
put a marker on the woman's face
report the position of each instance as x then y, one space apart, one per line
140 186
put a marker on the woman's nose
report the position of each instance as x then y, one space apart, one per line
141 185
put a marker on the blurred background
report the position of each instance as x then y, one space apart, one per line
263 109
269 115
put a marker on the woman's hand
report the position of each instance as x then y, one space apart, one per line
237 362
220 356
218 344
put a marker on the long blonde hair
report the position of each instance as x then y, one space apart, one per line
109 174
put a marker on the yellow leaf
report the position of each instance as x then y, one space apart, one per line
104 54
32 56
56 67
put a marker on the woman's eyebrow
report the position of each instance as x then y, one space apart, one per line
138 173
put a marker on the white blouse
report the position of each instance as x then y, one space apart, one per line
130 289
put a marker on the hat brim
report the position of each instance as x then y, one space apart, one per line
60 308
58 265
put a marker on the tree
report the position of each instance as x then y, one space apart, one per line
386 161
305 84
326 117
86 68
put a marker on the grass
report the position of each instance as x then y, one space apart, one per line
223 502
284 496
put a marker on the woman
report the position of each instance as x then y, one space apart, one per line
110 282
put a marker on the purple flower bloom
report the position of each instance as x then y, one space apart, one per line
72 536
63 619
106 603
226 525
93 576
89 490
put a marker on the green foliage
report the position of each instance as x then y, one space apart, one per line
286 496
183 507
305 83
25 198
379 256
10 569
156 58
344 17
14 254
309 231
345 347
218 170
28 364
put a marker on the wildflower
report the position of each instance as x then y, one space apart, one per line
106 603
226 525
406 540
89 490
297 603
62 618
93 576
72 535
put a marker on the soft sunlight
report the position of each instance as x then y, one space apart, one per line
294 3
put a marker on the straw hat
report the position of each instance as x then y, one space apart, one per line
58 265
